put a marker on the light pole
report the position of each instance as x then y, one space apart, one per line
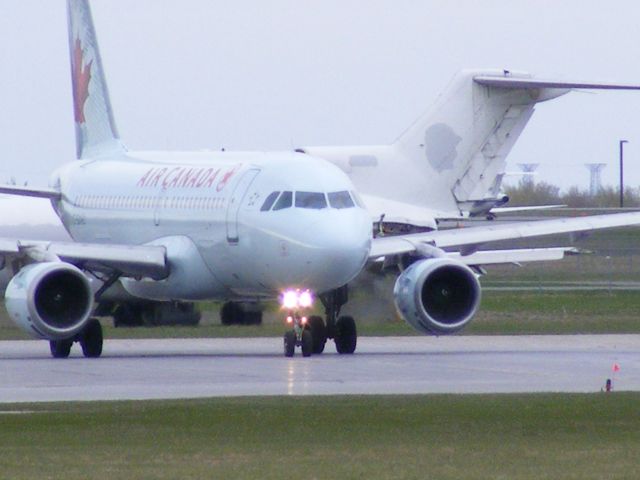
622 142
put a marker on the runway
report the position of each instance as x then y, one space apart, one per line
193 368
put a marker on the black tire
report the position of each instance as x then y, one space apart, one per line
91 339
289 343
318 333
60 348
252 318
307 343
231 314
126 315
346 335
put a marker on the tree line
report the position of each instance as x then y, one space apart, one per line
542 193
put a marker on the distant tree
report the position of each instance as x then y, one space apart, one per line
527 193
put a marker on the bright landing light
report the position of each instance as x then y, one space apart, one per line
292 299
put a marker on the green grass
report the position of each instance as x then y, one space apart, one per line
449 437
518 313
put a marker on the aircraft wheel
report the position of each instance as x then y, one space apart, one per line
289 343
231 314
318 333
91 339
346 336
60 348
307 343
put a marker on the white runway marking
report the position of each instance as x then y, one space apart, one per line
192 368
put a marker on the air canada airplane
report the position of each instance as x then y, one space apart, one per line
241 227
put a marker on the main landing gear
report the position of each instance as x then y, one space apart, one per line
311 334
90 340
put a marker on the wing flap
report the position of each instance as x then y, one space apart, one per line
488 257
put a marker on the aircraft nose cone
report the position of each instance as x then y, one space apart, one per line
344 248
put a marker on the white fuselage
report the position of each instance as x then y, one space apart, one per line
208 211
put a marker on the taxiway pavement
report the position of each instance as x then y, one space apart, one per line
193 368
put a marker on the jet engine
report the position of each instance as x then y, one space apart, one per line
50 300
437 296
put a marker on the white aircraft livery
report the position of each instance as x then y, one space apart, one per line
237 227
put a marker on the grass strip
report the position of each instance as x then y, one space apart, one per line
443 436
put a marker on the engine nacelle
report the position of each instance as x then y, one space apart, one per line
437 296
50 300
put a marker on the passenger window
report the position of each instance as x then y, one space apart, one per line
270 200
285 201
340 200
313 200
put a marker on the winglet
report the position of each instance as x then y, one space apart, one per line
96 132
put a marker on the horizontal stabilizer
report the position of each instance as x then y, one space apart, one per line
519 82
30 192
529 208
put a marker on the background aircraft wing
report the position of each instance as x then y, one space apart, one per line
469 239
129 260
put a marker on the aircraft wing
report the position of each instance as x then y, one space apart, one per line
30 192
130 260
469 239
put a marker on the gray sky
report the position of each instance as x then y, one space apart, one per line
272 74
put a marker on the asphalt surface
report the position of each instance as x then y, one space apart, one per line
188 368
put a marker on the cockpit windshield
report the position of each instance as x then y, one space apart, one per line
269 201
340 199
313 200
310 200
285 201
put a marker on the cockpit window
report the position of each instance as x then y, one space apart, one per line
285 201
340 200
269 201
313 200
357 199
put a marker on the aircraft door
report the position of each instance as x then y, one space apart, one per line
237 197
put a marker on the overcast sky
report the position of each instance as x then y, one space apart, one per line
274 74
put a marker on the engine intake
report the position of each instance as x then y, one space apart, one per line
51 300
437 296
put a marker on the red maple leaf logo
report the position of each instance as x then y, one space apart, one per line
81 78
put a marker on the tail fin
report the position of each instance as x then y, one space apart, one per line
96 132
465 137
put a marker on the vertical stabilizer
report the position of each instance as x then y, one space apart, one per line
96 132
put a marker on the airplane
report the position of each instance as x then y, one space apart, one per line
451 162
235 226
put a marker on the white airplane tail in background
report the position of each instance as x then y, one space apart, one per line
96 132
452 159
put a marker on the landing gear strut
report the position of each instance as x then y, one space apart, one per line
341 328
90 340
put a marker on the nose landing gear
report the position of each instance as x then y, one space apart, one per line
299 336
311 334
